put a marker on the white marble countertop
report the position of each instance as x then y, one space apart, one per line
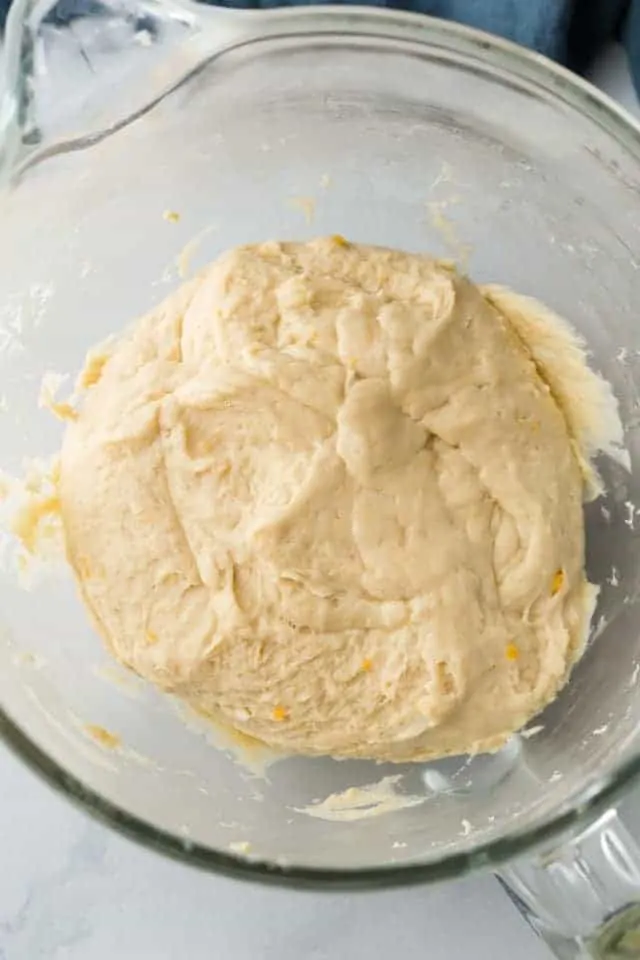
72 890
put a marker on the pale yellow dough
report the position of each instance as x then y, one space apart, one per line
332 496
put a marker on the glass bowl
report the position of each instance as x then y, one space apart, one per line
200 129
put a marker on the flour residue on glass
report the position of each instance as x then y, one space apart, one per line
361 803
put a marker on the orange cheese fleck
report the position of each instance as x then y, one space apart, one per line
366 665
280 713
557 583
104 737
511 651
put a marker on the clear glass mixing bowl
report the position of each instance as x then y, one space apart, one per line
139 142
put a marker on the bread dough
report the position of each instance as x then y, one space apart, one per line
331 495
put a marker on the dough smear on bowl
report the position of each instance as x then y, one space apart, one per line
331 495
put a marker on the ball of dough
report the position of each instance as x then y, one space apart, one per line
329 495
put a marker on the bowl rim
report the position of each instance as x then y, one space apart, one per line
559 83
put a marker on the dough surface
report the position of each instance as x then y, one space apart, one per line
331 495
